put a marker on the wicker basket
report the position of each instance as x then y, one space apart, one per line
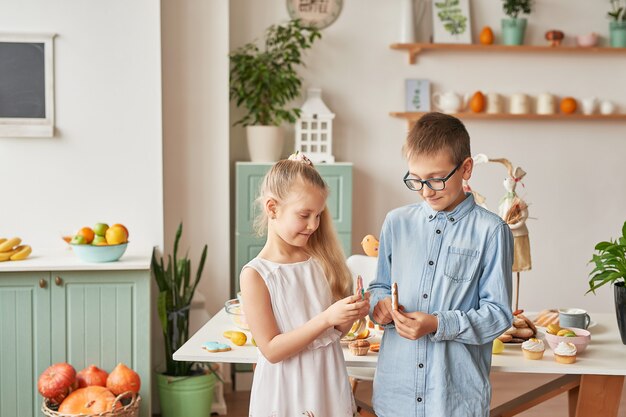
130 408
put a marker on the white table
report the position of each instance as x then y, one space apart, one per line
594 382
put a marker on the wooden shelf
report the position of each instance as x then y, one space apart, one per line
414 49
412 117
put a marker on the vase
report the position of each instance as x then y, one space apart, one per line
407 21
620 308
617 35
189 396
265 143
513 31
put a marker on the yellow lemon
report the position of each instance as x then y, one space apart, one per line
553 328
238 338
565 332
115 235
227 334
498 347
253 342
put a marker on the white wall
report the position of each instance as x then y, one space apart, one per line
575 183
104 163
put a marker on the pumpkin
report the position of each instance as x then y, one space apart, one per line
123 379
90 400
56 382
90 376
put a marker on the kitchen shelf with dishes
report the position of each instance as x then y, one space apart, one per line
412 117
414 49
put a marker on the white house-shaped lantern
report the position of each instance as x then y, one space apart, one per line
314 128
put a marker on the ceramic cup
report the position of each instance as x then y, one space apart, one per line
495 104
573 317
589 105
607 107
546 103
519 104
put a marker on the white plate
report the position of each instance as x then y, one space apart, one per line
345 341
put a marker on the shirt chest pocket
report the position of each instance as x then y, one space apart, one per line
461 264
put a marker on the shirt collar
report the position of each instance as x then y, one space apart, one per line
455 215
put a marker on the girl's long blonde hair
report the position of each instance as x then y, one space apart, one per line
323 245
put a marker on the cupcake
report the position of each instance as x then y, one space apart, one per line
565 353
533 348
359 347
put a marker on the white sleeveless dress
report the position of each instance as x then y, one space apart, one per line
314 382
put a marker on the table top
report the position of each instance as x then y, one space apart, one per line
605 355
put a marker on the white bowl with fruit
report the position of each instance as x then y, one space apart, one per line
100 244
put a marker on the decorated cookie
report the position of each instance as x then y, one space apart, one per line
215 347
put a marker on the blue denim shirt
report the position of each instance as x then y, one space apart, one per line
456 265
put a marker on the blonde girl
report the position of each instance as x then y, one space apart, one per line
296 297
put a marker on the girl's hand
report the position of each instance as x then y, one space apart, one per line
347 310
382 312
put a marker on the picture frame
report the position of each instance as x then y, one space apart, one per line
417 95
451 21
26 85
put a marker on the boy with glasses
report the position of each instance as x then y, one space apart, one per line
452 262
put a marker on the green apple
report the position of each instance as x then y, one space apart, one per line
78 240
99 240
100 229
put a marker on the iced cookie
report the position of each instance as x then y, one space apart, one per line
215 347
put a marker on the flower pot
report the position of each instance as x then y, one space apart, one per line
617 32
620 308
265 143
513 31
189 396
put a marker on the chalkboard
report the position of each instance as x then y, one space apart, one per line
26 85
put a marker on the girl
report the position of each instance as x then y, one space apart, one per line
296 299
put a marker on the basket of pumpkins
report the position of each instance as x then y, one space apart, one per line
90 392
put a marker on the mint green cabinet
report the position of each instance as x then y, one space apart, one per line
80 317
249 175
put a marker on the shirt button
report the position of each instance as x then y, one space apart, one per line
438 231
419 399
425 295
430 217
421 365
431 263
451 219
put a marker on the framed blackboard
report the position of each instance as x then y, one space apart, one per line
26 85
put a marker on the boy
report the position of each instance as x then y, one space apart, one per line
452 263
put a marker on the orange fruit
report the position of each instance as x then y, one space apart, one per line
123 227
115 235
486 36
568 105
363 334
477 103
87 233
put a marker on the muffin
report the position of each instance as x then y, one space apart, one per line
533 348
359 347
565 353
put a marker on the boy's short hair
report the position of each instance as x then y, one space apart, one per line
436 131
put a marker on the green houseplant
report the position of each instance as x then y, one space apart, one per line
514 28
264 80
617 26
185 389
610 268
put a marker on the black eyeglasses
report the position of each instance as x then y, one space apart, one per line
435 184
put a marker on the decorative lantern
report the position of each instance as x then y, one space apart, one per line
314 128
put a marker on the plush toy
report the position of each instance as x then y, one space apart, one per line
370 245
480 158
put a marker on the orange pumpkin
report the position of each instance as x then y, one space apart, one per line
90 400
477 103
568 105
486 36
56 382
123 379
90 376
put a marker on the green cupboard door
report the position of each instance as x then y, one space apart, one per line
103 318
247 248
24 340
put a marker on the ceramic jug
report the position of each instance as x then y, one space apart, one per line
607 107
589 105
546 103
448 102
520 104
495 104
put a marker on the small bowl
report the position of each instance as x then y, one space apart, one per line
233 308
104 253
587 41
581 340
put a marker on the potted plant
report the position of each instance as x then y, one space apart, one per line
186 388
617 26
610 267
514 28
265 80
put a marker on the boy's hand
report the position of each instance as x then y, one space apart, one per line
382 312
347 310
414 325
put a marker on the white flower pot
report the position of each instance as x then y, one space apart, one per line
265 143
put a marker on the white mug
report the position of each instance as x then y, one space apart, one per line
546 103
494 103
607 107
519 104
574 317
589 105
448 102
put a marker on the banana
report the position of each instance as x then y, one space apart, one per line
2 240
9 244
21 252
5 256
